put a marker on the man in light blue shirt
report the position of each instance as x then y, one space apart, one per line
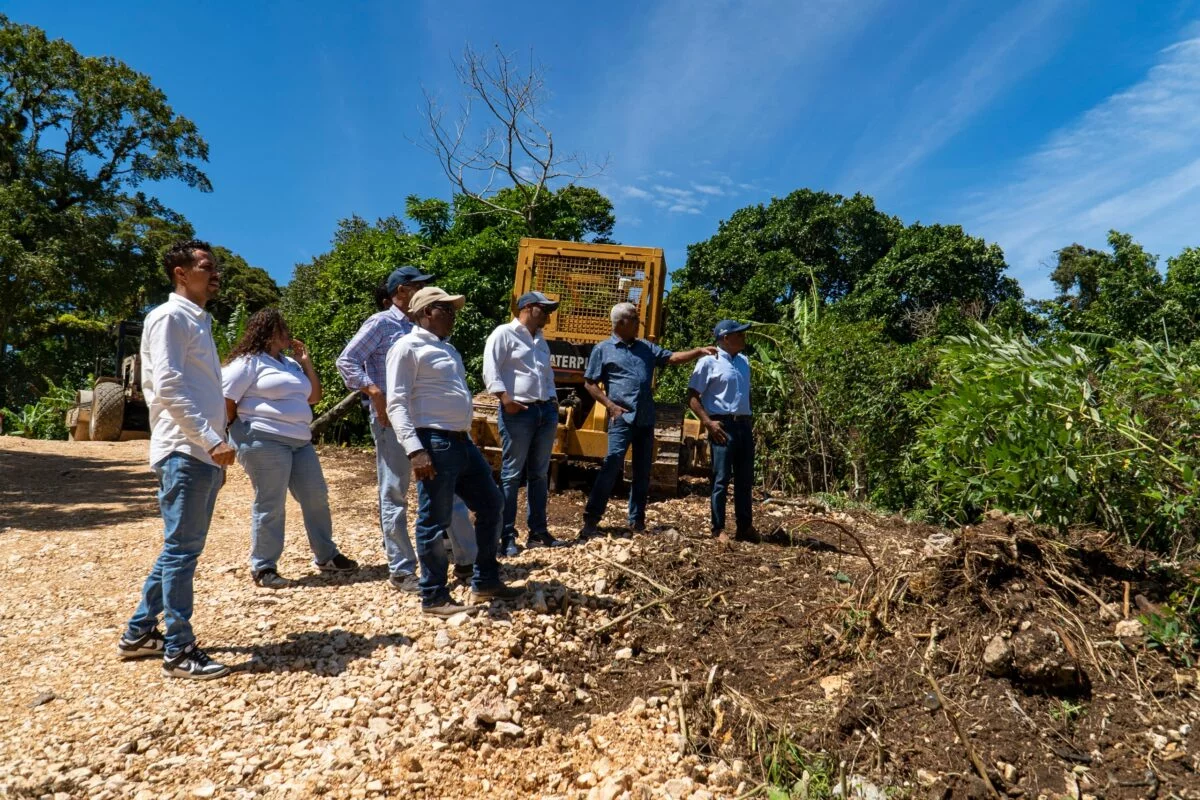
719 394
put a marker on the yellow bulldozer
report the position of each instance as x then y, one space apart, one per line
588 280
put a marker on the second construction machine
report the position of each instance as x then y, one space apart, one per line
588 280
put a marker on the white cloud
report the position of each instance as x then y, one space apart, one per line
679 208
716 191
939 107
635 192
1131 163
671 191
705 70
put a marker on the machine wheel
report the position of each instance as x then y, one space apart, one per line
108 412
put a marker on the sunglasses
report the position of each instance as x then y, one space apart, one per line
445 308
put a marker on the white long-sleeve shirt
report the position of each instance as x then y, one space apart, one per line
518 362
181 379
426 388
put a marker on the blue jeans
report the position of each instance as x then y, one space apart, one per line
187 492
394 473
275 466
460 469
734 461
528 439
620 436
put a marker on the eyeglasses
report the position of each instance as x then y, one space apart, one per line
445 308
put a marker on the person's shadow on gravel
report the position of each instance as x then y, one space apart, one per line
319 652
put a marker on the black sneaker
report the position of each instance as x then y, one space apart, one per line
151 644
637 527
497 591
269 579
748 535
542 540
464 572
509 548
589 531
193 663
447 608
339 563
404 582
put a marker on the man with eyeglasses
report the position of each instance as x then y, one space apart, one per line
625 365
363 366
181 379
430 406
517 369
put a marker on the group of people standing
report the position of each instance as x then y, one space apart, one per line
256 409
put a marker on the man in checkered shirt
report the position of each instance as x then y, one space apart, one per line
363 366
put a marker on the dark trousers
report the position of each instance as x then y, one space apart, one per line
622 436
733 461
460 469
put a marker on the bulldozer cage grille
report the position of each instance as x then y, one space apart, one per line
587 288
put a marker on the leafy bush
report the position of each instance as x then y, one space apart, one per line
45 419
832 399
1063 436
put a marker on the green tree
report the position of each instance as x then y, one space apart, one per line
241 285
762 257
1181 296
78 242
1118 293
932 276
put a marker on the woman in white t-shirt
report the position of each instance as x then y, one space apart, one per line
268 398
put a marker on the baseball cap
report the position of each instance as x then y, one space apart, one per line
404 276
529 298
728 326
434 294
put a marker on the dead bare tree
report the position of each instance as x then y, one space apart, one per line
510 145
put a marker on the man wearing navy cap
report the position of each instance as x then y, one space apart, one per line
719 394
363 366
517 369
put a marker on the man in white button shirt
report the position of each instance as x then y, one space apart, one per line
181 379
429 405
517 369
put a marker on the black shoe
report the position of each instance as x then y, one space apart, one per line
151 644
748 535
404 582
497 591
542 540
270 579
193 663
447 608
637 527
339 563
588 531
464 572
509 548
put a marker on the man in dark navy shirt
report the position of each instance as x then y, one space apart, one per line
625 365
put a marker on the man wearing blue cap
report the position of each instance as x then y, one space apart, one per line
719 394
363 366
625 365
517 369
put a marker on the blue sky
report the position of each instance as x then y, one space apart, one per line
1033 123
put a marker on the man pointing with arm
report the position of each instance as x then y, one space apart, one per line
625 365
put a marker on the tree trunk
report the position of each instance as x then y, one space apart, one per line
322 423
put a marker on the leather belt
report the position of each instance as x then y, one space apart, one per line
458 436
730 417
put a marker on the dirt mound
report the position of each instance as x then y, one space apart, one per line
857 647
